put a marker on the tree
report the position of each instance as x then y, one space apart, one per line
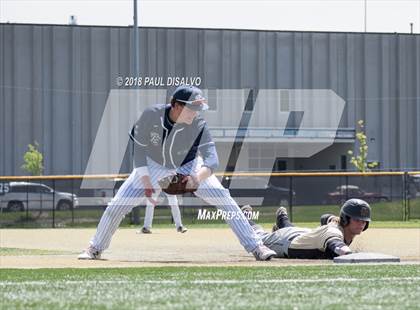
360 160
33 160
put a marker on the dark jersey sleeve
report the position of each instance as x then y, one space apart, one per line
333 245
139 135
207 149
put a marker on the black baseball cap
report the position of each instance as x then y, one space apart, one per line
192 97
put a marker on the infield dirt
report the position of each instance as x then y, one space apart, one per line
166 247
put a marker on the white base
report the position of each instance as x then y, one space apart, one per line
366 257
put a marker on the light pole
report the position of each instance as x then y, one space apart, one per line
365 15
135 71
135 43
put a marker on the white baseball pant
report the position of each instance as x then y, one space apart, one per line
176 213
131 194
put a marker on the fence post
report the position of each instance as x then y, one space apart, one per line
53 206
347 188
27 201
72 202
407 178
291 197
135 215
390 186
405 196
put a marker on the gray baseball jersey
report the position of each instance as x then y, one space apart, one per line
167 148
297 242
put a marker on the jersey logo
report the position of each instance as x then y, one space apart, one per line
154 138
184 152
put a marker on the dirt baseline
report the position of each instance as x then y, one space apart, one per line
166 247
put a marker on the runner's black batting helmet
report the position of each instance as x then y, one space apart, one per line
357 209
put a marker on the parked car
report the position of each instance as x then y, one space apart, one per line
17 196
415 180
249 189
345 192
414 186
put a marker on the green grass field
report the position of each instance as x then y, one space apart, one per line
288 287
18 251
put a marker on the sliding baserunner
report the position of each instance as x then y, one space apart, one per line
324 242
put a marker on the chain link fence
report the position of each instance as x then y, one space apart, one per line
62 201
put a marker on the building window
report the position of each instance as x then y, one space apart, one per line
263 158
281 165
343 162
212 99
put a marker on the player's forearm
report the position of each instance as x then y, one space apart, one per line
145 179
338 247
343 250
210 158
203 173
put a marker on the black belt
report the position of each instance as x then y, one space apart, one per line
292 237
290 241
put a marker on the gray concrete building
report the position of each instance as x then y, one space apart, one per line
55 81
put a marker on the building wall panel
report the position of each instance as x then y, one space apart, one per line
55 81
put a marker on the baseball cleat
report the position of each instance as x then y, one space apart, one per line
246 209
90 254
145 230
282 212
182 229
261 252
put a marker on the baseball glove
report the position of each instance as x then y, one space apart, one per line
178 184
